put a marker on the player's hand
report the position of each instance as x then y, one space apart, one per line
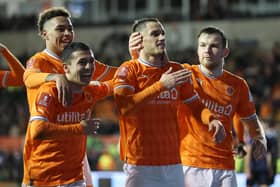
171 79
90 126
219 130
63 90
259 147
239 150
248 175
135 44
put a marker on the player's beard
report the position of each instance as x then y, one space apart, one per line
210 64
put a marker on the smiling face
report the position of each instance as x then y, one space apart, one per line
211 52
58 32
153 39
80 68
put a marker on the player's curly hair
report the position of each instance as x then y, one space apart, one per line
49 14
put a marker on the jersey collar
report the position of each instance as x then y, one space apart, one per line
204 71
146 63
50 53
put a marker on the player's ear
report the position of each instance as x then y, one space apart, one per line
44 35
226 52
65 68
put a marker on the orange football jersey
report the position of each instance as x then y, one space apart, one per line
224 95
45 62
58 160
149 133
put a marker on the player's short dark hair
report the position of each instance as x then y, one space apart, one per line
71 48
214 30
49 14
139 24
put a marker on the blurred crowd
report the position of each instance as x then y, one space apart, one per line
259 67
199 10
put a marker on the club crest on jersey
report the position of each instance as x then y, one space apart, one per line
230 91
122 72
44 100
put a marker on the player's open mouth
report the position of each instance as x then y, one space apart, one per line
161 45
88 75
66 43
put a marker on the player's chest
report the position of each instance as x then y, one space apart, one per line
215 89
80 110
52 67
146 78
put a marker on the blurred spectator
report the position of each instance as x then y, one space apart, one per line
106 162
94 150
103 152
262 172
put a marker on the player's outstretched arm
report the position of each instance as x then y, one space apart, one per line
239 143
104 72
101 89
33 78
256 132
63 88
14 77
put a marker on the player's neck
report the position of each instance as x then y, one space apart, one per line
155 60
52 54
54 51
215 72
